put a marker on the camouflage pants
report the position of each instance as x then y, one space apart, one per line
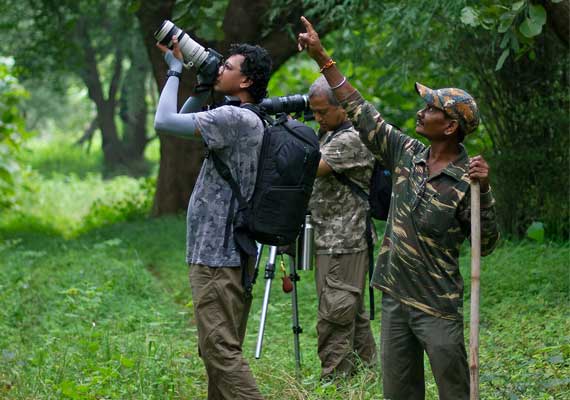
405 334
343 325
221 310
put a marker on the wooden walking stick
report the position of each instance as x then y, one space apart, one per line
475 289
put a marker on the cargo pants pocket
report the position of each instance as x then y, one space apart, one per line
339 302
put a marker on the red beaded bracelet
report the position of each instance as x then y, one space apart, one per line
328 64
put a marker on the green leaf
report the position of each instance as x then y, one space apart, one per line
517 6
505 41
536 231
506 22
529 28
502 59
537 14
470 16
532 55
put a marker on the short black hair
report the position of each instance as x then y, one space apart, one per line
256 66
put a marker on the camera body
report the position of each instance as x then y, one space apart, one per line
206 61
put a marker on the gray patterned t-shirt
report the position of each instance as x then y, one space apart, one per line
235 134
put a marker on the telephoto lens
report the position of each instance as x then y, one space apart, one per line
295 103
206 61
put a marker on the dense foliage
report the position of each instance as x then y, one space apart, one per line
12 132
97 45
513 56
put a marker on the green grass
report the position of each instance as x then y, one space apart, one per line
108 315
95 303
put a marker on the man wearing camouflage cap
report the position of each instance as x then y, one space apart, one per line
418 268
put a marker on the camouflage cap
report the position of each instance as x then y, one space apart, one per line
456 103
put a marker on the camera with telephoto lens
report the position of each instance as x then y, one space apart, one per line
206 61
295 103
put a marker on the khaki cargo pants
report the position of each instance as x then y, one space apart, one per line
406 333
221 310
343 325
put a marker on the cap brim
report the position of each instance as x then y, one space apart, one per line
429 95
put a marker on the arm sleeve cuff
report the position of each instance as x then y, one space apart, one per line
487 199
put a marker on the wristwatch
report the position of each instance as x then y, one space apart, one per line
173 73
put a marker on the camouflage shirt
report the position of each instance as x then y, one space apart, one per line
428 221
235 134
339 215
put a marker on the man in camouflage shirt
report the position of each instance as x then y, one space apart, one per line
221 303
418 268
340 219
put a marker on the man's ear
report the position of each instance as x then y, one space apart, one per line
452 127
246 83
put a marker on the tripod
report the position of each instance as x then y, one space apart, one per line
268 276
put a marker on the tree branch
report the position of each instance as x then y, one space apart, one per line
89 74
116 79
558 16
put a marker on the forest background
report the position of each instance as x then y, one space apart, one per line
92 296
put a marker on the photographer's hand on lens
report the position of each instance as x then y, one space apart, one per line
172 57
204 83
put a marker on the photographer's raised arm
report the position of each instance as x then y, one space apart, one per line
167 118
380 137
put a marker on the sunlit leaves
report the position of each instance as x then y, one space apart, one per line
519 23
12 130
469 16
532 25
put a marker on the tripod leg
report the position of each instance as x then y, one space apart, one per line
295 314
257 262
269 275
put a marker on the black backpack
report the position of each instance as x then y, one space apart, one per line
380 192
286 172
380 188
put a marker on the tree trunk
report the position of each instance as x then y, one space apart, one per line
558 15
112 147
133 105
244 20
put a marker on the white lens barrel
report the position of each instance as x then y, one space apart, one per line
193 53
162 32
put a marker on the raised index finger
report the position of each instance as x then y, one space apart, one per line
307 24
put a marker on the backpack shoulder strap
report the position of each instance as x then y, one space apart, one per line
226 174
263 116
221 166
355 188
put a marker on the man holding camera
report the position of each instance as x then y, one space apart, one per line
418 267
221 303
340 219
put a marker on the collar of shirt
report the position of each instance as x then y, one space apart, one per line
330 134
455 169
